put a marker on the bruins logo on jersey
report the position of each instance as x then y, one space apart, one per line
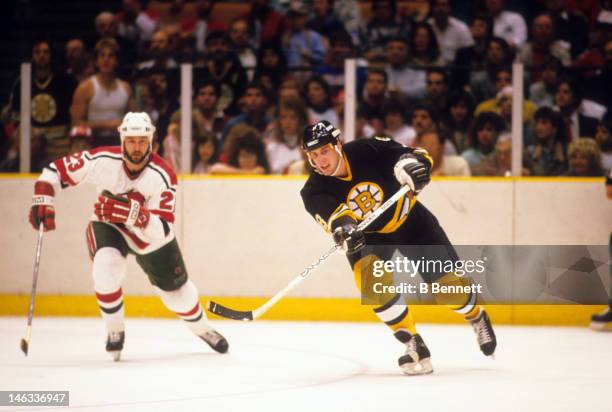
364 198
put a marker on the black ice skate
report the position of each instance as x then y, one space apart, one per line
215 340
416 360
484 333
602 321
114 344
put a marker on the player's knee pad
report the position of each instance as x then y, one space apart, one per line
182 299
108 270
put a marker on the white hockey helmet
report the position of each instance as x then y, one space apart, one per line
136 124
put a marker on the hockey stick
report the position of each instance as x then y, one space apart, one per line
25 342
229 313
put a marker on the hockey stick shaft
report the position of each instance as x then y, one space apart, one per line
252 315
25 342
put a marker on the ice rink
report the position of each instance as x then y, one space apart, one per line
300 366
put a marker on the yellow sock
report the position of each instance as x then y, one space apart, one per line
465 304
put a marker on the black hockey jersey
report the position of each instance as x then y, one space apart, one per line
370 182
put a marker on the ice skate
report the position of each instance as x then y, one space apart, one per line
484 333
215 340
416 360
114 344
602 321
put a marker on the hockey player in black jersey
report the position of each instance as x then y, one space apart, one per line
348 182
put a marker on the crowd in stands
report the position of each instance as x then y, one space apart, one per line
427 79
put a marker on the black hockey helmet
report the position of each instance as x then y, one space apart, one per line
318 135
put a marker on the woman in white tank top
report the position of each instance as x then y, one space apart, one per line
101 101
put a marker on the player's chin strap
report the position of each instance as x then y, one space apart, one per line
314 167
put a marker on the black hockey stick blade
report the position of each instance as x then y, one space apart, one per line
229 313
24 346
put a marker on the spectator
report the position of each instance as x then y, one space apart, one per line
165 102
135 24
271 67
458 118
223 66
106 25
594 56
402 78
51 93
423 47
38 153
424 119
317 95
542 46
325 21
332 69
498 163
246 156
437 89
206 115
159 53
200 25
254 115
265 23
598 86
101 101
507 24
499 57
282 137
443 164
241 46
584 158
348 12
374 36
452 34
374 97
80 139
303 47
171 147
603 136
205 154
473 57
570 26
78 62
547 156
483 136
395 123
568 99
542 92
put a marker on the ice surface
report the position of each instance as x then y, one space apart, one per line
301 366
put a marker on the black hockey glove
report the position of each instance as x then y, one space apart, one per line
349 238
413 172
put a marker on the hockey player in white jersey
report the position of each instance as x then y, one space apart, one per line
134 214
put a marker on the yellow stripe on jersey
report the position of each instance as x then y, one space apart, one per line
341 210
400 215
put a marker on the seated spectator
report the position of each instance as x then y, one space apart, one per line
332 69
171 146
374 35
282 137
246 156
271 67
598 85
317 95
507 24
101 101
200 25
159 53
425 119
266 23
484 134
568 99
594 55
542 92
107 25
255 103
542 46
241 46
458 118
547 156
584 158
395 123
483 83
79 64
165 102
498 163
570 26
423 46
444 165
80 139
135 24
473 57
402 78
502 105
436 89
603 136
374 97
324 20
452 34
302 47
205 153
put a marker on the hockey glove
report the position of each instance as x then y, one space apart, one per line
117 209
349 238
42 209
412 172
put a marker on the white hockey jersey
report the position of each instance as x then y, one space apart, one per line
154 187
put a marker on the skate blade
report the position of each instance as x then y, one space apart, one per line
423 367
115 355
601 326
